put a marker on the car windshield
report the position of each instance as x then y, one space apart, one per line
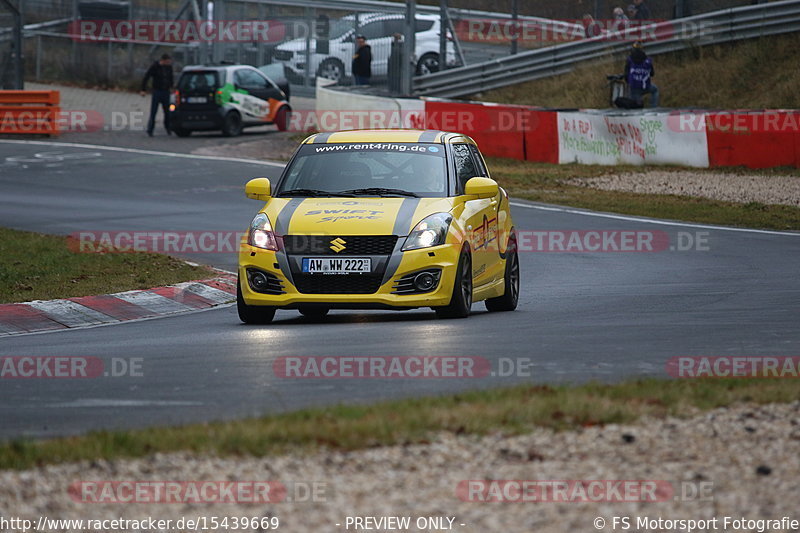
369 169
341 26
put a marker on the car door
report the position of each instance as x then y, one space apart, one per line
495 222
480 216
253 92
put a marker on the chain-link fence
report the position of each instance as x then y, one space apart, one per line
305 38
10 44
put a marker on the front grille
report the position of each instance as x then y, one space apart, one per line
337 283
283 55
354 245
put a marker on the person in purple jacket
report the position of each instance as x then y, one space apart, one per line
639 74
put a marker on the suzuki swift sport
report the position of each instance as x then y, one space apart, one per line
379 219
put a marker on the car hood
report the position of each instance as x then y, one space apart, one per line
351 216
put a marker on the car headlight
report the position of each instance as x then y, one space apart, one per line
260 234
431 231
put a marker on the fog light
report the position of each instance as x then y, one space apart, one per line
424 281
259 281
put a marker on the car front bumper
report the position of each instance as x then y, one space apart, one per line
197 120
445 258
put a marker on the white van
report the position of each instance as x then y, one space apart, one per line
378 28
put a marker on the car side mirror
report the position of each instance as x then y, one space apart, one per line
258 189
481 187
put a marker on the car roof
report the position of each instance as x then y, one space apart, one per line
369 17
213 67
397 136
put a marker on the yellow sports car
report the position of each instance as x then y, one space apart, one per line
379 219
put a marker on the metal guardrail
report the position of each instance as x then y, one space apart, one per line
397 7
711 28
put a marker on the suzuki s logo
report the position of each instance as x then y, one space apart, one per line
338 244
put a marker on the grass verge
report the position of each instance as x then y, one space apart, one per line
544 182
749 74
42 267
513 410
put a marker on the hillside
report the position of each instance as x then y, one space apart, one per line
758 73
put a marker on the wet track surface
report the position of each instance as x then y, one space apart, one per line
582 316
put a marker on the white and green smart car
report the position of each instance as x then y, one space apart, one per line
227 98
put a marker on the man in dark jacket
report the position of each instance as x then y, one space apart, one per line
161 73
362 61
639 74
642 11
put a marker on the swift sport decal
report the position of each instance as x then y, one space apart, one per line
332 215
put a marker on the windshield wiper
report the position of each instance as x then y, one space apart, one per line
310 192
380 191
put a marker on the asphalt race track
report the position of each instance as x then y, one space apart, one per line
582 316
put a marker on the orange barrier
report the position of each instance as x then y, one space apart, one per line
541 138
29 112
498 129
755 139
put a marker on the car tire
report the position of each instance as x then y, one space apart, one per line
232 124
428 64
332 69
182 132
252 314
461 300
508 301
313 312
282 118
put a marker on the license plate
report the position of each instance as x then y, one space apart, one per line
196 99
337 265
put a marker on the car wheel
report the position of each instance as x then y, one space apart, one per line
332 69
181 132
315 313
461 300
508 301
282 118
232 125
252 314
428 64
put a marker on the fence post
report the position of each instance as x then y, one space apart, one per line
309 22
409 48
38 57
515 21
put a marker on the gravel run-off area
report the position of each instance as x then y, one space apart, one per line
742 461
723 186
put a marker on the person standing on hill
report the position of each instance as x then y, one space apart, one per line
161 73
642 11
639 74
362 61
